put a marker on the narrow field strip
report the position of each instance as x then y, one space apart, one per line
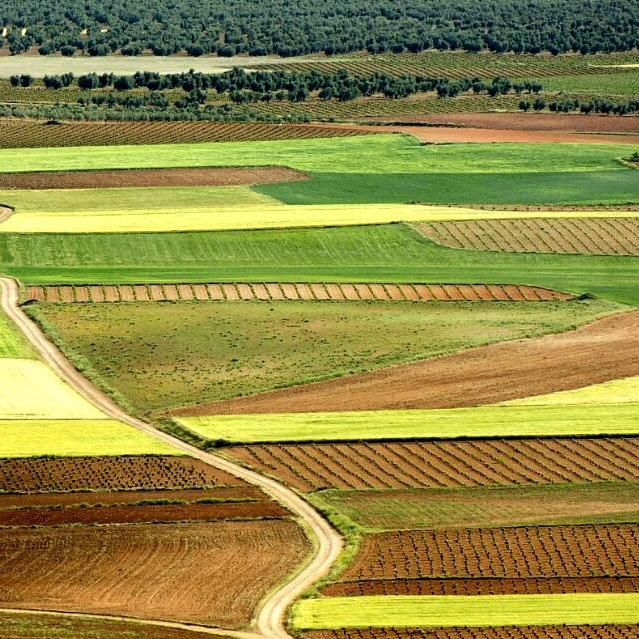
269 291
477 422
492 610
75 438
586 236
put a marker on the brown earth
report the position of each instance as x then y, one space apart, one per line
309 467
135 514
34 626
124 178
175 572
110 474
482 586
589 236
506 632
601 550
483 375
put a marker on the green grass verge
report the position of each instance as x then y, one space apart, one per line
450 423
482 610
162 356
76 438
432 508
12 342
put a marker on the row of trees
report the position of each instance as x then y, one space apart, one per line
569 105
297 27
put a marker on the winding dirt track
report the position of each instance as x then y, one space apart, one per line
271 615
5 213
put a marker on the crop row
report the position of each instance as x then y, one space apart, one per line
293 291
518 552
592 236
310 467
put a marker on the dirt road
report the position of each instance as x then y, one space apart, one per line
271 615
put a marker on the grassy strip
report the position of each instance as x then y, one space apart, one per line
491 610
482 421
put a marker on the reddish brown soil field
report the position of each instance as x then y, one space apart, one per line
507 632
309 467
100 179
483 375
483 586
544 551
30 626
613 236
291 291
109 473
174 571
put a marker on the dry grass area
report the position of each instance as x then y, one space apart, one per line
177 572
586 236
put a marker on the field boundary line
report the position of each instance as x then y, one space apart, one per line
271 617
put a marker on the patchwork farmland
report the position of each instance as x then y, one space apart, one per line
317 380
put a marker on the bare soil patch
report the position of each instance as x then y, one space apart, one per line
177 572
110 474
483 375
125 178
434 464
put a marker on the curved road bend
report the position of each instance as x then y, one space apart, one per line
5 213
271 615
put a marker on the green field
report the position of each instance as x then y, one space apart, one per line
12 343
162 356
486 610
614 83
389 253
384 169
75 438
482 421
432 508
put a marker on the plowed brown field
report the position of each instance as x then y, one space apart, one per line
109 473
612 236
544 551
309 467
103 179
483 586
507 632
292 291
176 572
476 376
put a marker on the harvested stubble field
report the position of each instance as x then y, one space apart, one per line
477 376
124 473
174 571
127 178
595 236
42 626
599 550
166 356
504 632
310 467
273 291
36 134
481 586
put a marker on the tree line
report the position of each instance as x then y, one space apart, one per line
299 27
569 105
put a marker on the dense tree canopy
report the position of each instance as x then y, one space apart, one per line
293 27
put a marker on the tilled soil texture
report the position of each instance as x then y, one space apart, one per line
310 467
124 178
177 572
544 551
602 351
20 133
291 291
566 123
34 626
506 632
483 586
110 474
593 236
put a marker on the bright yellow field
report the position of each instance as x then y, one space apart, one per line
76 438
618 391
254 217
31 390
